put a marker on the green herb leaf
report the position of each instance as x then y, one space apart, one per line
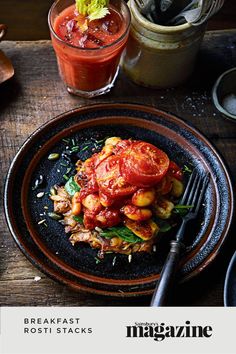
182 210
186 169
66 141
78 218
179 206
165 227
68 170
71 186
122 232
93 9
102 141
85 148
97 260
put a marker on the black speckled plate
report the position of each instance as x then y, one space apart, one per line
47 245
230 283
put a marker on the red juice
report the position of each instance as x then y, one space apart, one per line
88 59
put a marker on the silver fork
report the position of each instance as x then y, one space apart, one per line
192 197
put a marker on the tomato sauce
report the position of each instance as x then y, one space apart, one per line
99 33
88 59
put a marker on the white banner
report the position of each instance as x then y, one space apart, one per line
126 330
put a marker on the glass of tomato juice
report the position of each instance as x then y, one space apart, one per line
88 61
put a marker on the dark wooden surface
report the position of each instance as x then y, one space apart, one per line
36 94
27 20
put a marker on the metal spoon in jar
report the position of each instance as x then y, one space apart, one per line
147 8
197 12
165 4
156 11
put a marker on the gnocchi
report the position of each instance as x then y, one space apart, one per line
163 208
143 197
177 188
145 230
76 205
138 214
114 140
92 202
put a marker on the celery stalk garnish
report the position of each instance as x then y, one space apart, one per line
92 9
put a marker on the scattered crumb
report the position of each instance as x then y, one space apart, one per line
40 195
37 278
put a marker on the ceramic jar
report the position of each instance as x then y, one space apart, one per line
160 56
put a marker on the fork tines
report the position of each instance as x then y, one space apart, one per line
194 191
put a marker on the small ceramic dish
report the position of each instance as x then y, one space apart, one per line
224 94
230 283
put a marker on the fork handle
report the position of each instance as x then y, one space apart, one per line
167 276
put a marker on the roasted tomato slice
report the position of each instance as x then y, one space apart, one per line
122 146
109 178
175 171
143 165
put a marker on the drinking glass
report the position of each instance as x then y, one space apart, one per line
89 72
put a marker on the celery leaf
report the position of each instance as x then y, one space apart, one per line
93 9
100 13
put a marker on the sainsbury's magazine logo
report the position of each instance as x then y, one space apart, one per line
161 331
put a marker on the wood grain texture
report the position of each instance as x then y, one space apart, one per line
36 94
27 20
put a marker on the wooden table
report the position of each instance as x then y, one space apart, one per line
36 94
